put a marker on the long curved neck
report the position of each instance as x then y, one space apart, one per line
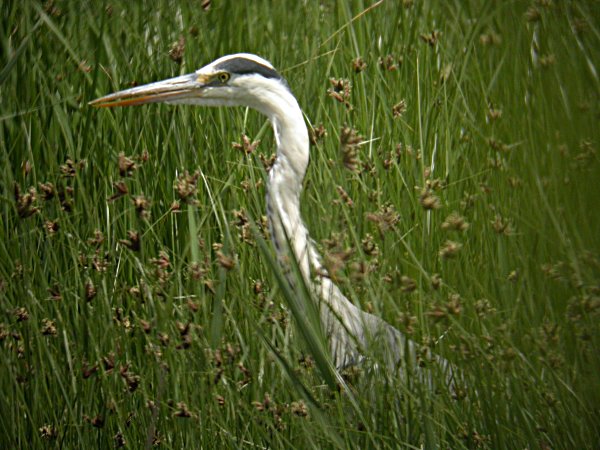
348 328
285 183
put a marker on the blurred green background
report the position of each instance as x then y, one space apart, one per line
138 305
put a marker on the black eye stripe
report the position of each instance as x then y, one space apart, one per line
218 79
244 66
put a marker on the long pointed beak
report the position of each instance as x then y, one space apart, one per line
170 90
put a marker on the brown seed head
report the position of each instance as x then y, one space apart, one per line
177 50
358 65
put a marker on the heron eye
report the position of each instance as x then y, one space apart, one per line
223 77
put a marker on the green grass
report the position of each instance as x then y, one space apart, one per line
103 341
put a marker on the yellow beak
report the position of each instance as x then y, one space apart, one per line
166 91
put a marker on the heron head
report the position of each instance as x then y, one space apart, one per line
242 79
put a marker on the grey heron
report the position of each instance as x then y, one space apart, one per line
248 80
